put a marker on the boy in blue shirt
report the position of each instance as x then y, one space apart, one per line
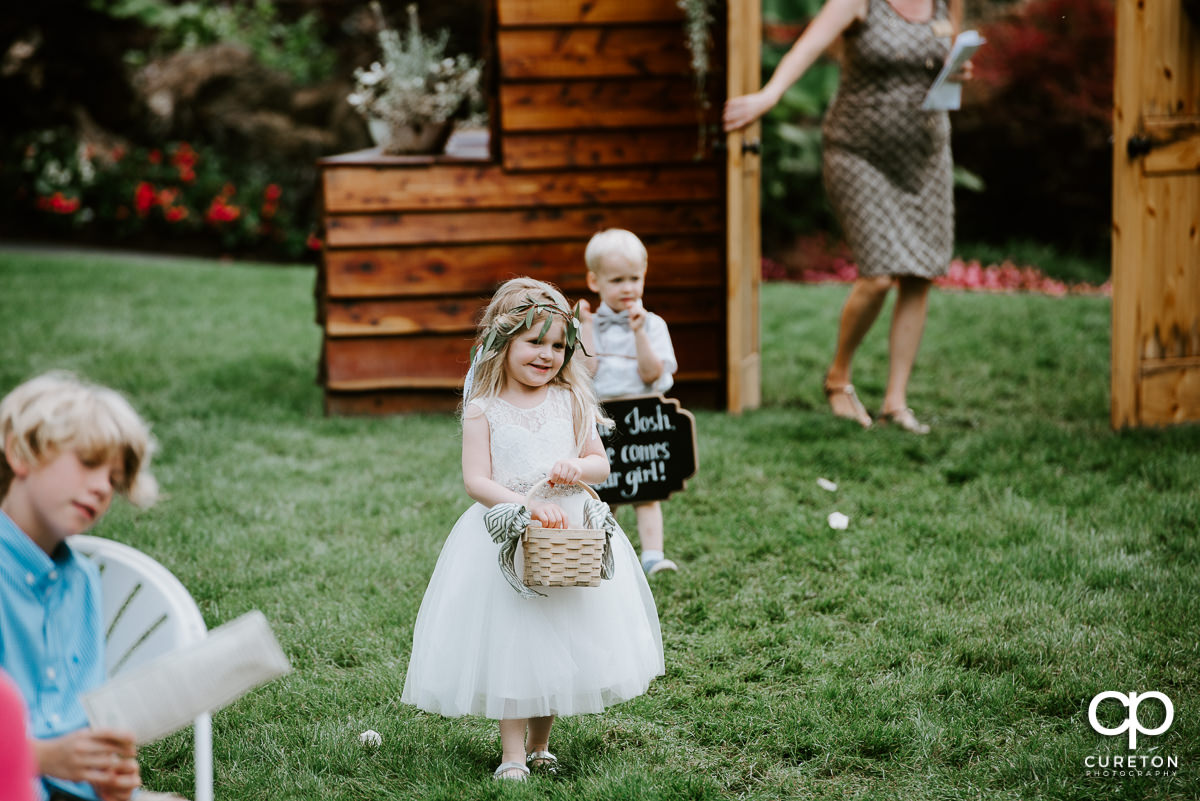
68 448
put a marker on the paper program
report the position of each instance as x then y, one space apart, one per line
945 94
167 694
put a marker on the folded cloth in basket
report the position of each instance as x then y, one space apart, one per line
506 524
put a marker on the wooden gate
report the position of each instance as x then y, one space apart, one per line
1156 215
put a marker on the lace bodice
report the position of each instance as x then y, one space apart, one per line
525 443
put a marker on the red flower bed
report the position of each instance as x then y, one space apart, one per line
177 193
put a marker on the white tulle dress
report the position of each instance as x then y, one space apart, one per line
479 648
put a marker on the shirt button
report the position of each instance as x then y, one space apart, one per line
55 719
53 575
50 674
29 579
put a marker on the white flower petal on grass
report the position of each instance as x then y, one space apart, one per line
838 520
826 484
371 737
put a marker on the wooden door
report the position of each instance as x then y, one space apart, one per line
743 243
1156 215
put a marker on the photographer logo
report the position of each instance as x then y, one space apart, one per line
1132 724
1131 764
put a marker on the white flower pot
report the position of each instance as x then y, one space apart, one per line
427 137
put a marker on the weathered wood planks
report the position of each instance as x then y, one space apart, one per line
386 317
585 12
555 106
358 230
586 149
627 52
445 269
364 189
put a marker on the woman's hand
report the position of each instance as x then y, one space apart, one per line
550 515
743 110
101 757
565 471
834 17
965 73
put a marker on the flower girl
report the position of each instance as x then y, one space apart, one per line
483 644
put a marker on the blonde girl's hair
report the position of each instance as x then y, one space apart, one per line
614 242
509 311
58 412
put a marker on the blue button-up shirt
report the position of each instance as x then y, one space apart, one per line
51 633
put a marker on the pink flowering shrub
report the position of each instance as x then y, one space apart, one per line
1008 277
970 276
820 258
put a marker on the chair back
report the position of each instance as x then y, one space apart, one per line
147 613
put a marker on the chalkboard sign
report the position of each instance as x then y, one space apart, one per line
652 449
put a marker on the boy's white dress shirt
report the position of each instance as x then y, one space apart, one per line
616 350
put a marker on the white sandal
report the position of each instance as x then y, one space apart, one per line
504 772
542 762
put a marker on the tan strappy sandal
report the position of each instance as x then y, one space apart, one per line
904 418
858 412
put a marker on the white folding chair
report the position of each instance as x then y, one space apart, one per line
147 613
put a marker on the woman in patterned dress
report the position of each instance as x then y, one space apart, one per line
887 170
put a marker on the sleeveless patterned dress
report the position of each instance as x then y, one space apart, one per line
887 165
479 648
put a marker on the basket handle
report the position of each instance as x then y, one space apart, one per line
545 482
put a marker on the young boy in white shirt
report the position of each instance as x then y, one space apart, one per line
632 351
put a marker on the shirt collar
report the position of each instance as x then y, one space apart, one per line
28 556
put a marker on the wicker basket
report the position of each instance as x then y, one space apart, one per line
562 557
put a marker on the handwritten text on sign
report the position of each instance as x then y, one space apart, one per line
652 449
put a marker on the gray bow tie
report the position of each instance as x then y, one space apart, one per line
607 318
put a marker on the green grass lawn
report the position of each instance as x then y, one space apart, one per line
995 575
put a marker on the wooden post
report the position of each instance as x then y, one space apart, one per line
743 248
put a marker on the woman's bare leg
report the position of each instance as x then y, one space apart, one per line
908 324
862 306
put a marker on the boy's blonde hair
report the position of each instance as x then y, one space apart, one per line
614 242
58 412
502 315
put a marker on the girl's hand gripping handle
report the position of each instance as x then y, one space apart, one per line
551 515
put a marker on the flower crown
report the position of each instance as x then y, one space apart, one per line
497 337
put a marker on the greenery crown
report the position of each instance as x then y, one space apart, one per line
497 336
